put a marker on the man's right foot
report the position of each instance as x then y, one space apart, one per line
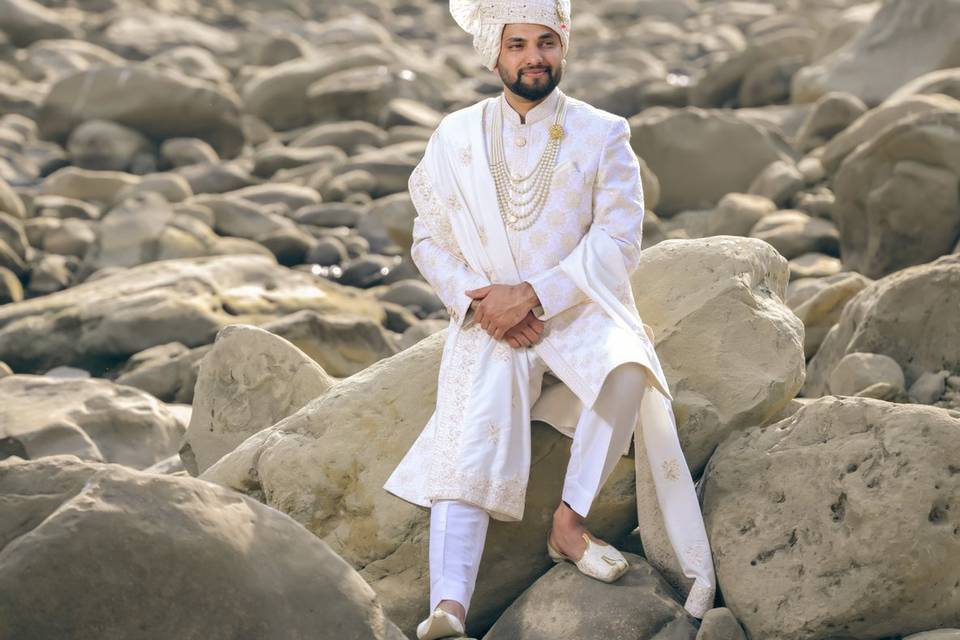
440 624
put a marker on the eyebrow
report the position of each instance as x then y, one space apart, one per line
544 35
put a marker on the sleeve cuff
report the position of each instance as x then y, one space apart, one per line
460 311
557 292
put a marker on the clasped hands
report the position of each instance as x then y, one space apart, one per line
505 311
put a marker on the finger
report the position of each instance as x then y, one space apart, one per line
530 334
513 342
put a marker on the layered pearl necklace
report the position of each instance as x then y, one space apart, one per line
522 198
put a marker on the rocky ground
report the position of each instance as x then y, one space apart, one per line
214 346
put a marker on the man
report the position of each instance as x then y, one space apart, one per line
530 210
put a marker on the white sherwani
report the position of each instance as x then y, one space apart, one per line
577 256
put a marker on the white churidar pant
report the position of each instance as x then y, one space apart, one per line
458 530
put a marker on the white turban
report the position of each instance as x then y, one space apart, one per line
484 20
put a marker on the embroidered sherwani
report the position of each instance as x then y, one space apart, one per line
577 256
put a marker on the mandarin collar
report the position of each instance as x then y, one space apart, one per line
546 108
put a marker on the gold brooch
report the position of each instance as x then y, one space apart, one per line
556 131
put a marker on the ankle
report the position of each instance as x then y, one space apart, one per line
566 518
453 607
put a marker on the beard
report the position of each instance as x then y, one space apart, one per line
533 88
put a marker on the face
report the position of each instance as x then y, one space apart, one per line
529 62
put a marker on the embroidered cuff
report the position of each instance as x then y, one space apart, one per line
460 311
556 291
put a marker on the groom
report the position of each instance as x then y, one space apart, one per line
530 212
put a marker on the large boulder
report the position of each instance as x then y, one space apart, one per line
26 21
794 233
92 551
139 230
160 104
639 605
831 114
898 196
873 65
340 345
679 145
942 81
139 33
95 420
910 316
250 380
836 522
728 83
818 302
869 125
731 349
109 318
326 465
97 188
278 94
10 201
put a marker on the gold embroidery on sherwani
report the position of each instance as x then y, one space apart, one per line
456 375
453 202
694 552
433 212
448 480
503 495
465 155
671 469
700 598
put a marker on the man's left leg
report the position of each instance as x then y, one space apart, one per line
602 435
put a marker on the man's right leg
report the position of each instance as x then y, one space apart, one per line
458 531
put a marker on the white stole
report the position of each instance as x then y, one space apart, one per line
597 268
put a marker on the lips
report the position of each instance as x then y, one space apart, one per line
535 74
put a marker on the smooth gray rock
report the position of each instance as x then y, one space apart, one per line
909 315
564 604
94 419
107 319
125 533
154 102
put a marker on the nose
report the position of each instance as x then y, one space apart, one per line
534 59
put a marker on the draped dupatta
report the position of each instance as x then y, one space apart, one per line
596 266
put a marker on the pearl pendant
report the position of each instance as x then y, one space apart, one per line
520 141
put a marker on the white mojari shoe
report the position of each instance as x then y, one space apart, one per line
440 624
600 560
